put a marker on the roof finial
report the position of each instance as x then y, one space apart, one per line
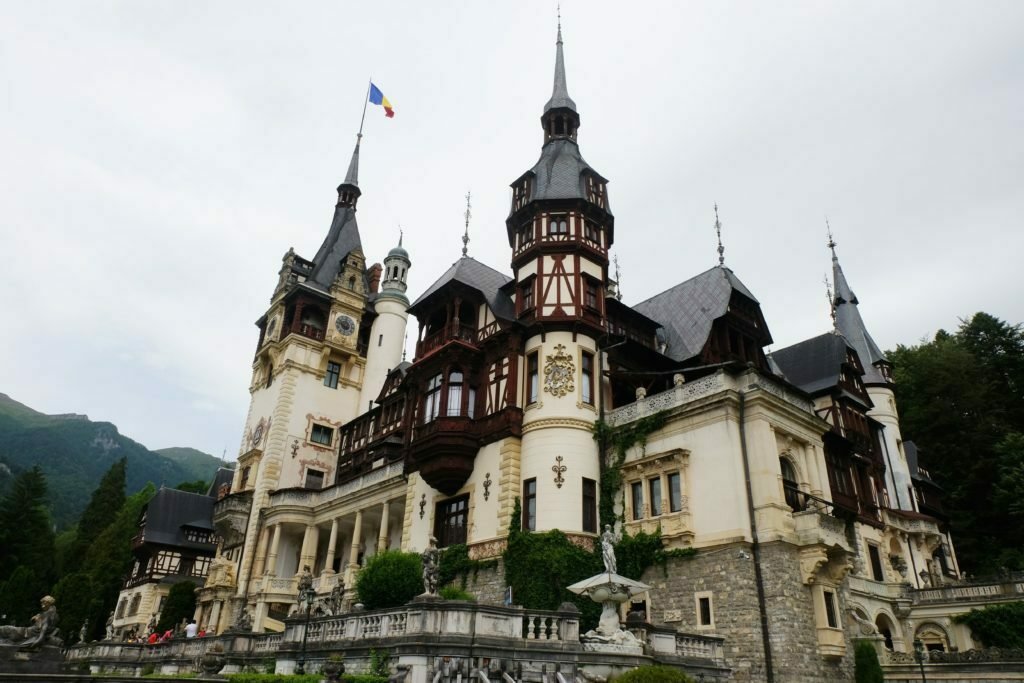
831 242
401 234
405 343
559 6
831 303
718 231
465 236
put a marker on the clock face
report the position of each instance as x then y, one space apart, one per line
257 433
272 327
345 325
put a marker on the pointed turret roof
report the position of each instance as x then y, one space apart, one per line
343 235
851 325
560 93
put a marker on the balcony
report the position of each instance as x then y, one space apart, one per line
815 526
1010 587
231 517
451 332
444 448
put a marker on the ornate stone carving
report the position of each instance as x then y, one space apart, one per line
431 567
559 373
487 486
43 630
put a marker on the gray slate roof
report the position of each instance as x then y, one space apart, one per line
480 277
560 173
560 92
342 237
813 364
687 310
851 325
170 510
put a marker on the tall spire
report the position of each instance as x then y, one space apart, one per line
465 235
352 177
718 231
849 323
560 93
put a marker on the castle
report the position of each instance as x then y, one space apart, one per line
786 472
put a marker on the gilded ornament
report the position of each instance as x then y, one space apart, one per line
559 373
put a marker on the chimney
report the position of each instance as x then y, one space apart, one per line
373 274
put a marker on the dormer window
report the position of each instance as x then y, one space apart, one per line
595 191
591 232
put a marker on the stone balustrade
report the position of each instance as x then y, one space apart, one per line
315 497
969 592
816 527
688 392
878 589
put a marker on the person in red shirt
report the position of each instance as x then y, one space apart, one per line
152 638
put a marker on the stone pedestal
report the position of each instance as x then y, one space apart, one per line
45 660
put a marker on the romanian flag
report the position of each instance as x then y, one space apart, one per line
377 97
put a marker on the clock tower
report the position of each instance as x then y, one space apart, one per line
309 368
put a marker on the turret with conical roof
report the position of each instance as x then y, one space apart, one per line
877 368
343 235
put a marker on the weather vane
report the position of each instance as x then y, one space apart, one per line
465 236
718 231
831 242
831 300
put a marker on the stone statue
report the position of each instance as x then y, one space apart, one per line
305 582
43 630
431 567
83 632
866 627
337 596
110 627
608 539
244 622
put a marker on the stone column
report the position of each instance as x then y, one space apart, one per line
382 537
214 620
271 566
261 552
332 546
353 555
307 556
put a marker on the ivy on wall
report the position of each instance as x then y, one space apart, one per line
614 442
456 564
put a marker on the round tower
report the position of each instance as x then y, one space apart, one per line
387 335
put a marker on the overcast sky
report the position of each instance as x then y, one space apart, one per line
157 159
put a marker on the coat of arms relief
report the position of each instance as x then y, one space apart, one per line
559 372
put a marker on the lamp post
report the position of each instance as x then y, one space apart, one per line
919 655
307 595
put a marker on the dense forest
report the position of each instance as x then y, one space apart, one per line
961 400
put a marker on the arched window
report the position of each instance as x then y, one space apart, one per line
791 491
558 226
352 283
432 399
455 392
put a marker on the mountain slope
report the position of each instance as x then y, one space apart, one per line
74 453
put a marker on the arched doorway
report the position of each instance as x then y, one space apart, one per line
933 636
889 631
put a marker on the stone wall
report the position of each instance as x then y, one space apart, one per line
487 585
728 574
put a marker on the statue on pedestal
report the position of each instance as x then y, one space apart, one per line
83 632
43 630
608 540
431 567
110 627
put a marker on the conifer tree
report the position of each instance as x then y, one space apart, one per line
26 536
106 502
180 604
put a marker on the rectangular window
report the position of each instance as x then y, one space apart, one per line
322 435
590 505
587 380
380 340
675 492
704 607
876 562
830 609
530 505
638 499
591 232
532 378
655 487
451 521
432 401
526 295
590 293
333 372
314 479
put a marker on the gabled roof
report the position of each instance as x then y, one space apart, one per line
688 310
480 277
170 510
813 364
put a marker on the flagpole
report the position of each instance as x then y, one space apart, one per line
365 100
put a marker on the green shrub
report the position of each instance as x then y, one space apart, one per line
390 579
455 593
180 604
865 663
654 674
379 663
997 625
